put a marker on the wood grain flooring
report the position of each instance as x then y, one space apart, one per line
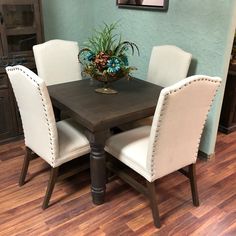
125 212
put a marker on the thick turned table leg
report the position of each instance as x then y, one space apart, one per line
97 165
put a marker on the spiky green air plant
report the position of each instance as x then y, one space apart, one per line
104 56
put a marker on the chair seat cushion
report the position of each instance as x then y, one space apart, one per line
131 148
72 141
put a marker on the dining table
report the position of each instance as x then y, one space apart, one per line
98 113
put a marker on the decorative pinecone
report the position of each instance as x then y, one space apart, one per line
101 60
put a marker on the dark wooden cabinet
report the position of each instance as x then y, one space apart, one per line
228 112
7 118
20 28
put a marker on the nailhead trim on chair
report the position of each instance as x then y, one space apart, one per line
156 135
161 115
45 113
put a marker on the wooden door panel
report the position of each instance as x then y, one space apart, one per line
7 121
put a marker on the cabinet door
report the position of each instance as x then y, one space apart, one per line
1 35
21 26
1 46
4 82
7 120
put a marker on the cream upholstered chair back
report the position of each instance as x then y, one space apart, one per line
178 123
168 65
57 61
36 112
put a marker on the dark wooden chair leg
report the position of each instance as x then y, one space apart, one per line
51 184
153 203
25 166
193 183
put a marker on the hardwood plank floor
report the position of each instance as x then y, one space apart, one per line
125 212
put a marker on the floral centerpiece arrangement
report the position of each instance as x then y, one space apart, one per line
105 59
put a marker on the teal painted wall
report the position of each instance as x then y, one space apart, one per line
203 28
67 19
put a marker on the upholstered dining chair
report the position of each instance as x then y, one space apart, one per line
57 61
168 64
56 143
172 142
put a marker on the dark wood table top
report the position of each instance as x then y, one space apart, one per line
136 99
